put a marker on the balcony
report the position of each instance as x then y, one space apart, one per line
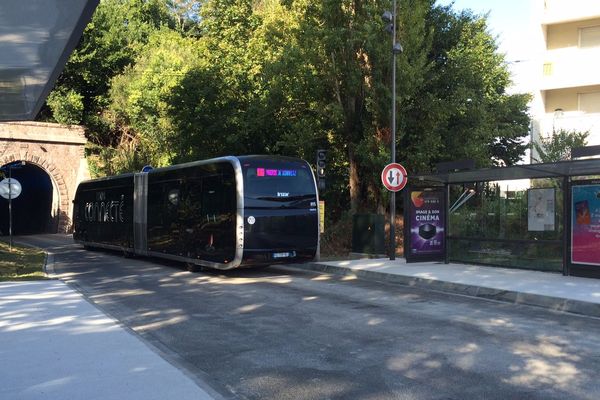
577 121
560 11
570 67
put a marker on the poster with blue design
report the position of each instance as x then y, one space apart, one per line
585 224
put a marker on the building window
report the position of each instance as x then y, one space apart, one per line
589 36
589 102
547 69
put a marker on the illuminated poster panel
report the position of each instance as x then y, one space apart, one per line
426 224
585 224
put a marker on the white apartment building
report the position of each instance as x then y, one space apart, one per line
566 86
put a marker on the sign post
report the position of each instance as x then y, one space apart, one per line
10 189
394 179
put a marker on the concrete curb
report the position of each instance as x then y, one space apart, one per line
49 266
507 296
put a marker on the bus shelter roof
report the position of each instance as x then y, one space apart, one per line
584 167
36 39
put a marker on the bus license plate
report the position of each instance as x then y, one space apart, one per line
284 255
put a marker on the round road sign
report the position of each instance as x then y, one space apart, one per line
393 177
10 185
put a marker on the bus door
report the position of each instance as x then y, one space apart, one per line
217 242
163 226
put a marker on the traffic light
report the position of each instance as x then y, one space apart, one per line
321 163
321 159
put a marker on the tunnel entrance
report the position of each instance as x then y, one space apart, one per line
32 210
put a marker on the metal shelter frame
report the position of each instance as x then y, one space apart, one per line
564 170
38 39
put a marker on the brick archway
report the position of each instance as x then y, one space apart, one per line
60 211
56 149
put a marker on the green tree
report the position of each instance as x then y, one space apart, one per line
288 77
241 98
558 145
110 42
308 74
467 100
334 75
140 97
66 106
326 87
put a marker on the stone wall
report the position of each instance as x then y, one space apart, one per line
58 150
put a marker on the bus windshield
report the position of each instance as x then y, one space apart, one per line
277 181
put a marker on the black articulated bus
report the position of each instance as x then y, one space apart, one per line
221 213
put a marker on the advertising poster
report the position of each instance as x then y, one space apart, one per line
585 224
540 209
427 223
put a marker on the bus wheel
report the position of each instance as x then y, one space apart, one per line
193 267
128 254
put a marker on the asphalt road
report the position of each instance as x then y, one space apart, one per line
284 333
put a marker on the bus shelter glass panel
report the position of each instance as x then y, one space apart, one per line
515 223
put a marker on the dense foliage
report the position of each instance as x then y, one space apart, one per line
165 81
558 145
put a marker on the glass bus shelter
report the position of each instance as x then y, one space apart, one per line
540 216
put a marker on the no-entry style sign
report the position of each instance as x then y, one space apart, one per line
393 177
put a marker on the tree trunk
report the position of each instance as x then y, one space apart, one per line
354 180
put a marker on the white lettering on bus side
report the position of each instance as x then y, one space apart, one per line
105 211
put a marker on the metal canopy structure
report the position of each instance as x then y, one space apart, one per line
530 171
572 204
36 40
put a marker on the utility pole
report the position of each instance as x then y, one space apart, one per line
391 17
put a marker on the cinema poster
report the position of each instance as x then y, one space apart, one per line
427 221
585 224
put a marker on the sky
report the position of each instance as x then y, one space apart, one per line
512 22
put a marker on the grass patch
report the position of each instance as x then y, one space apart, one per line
22 264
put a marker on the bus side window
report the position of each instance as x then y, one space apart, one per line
218 198
211 198
191 201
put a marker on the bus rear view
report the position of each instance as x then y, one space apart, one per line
280 211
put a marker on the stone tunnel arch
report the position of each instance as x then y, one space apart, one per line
55 149
58 197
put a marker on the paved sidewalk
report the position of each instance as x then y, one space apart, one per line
54 345
542 289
